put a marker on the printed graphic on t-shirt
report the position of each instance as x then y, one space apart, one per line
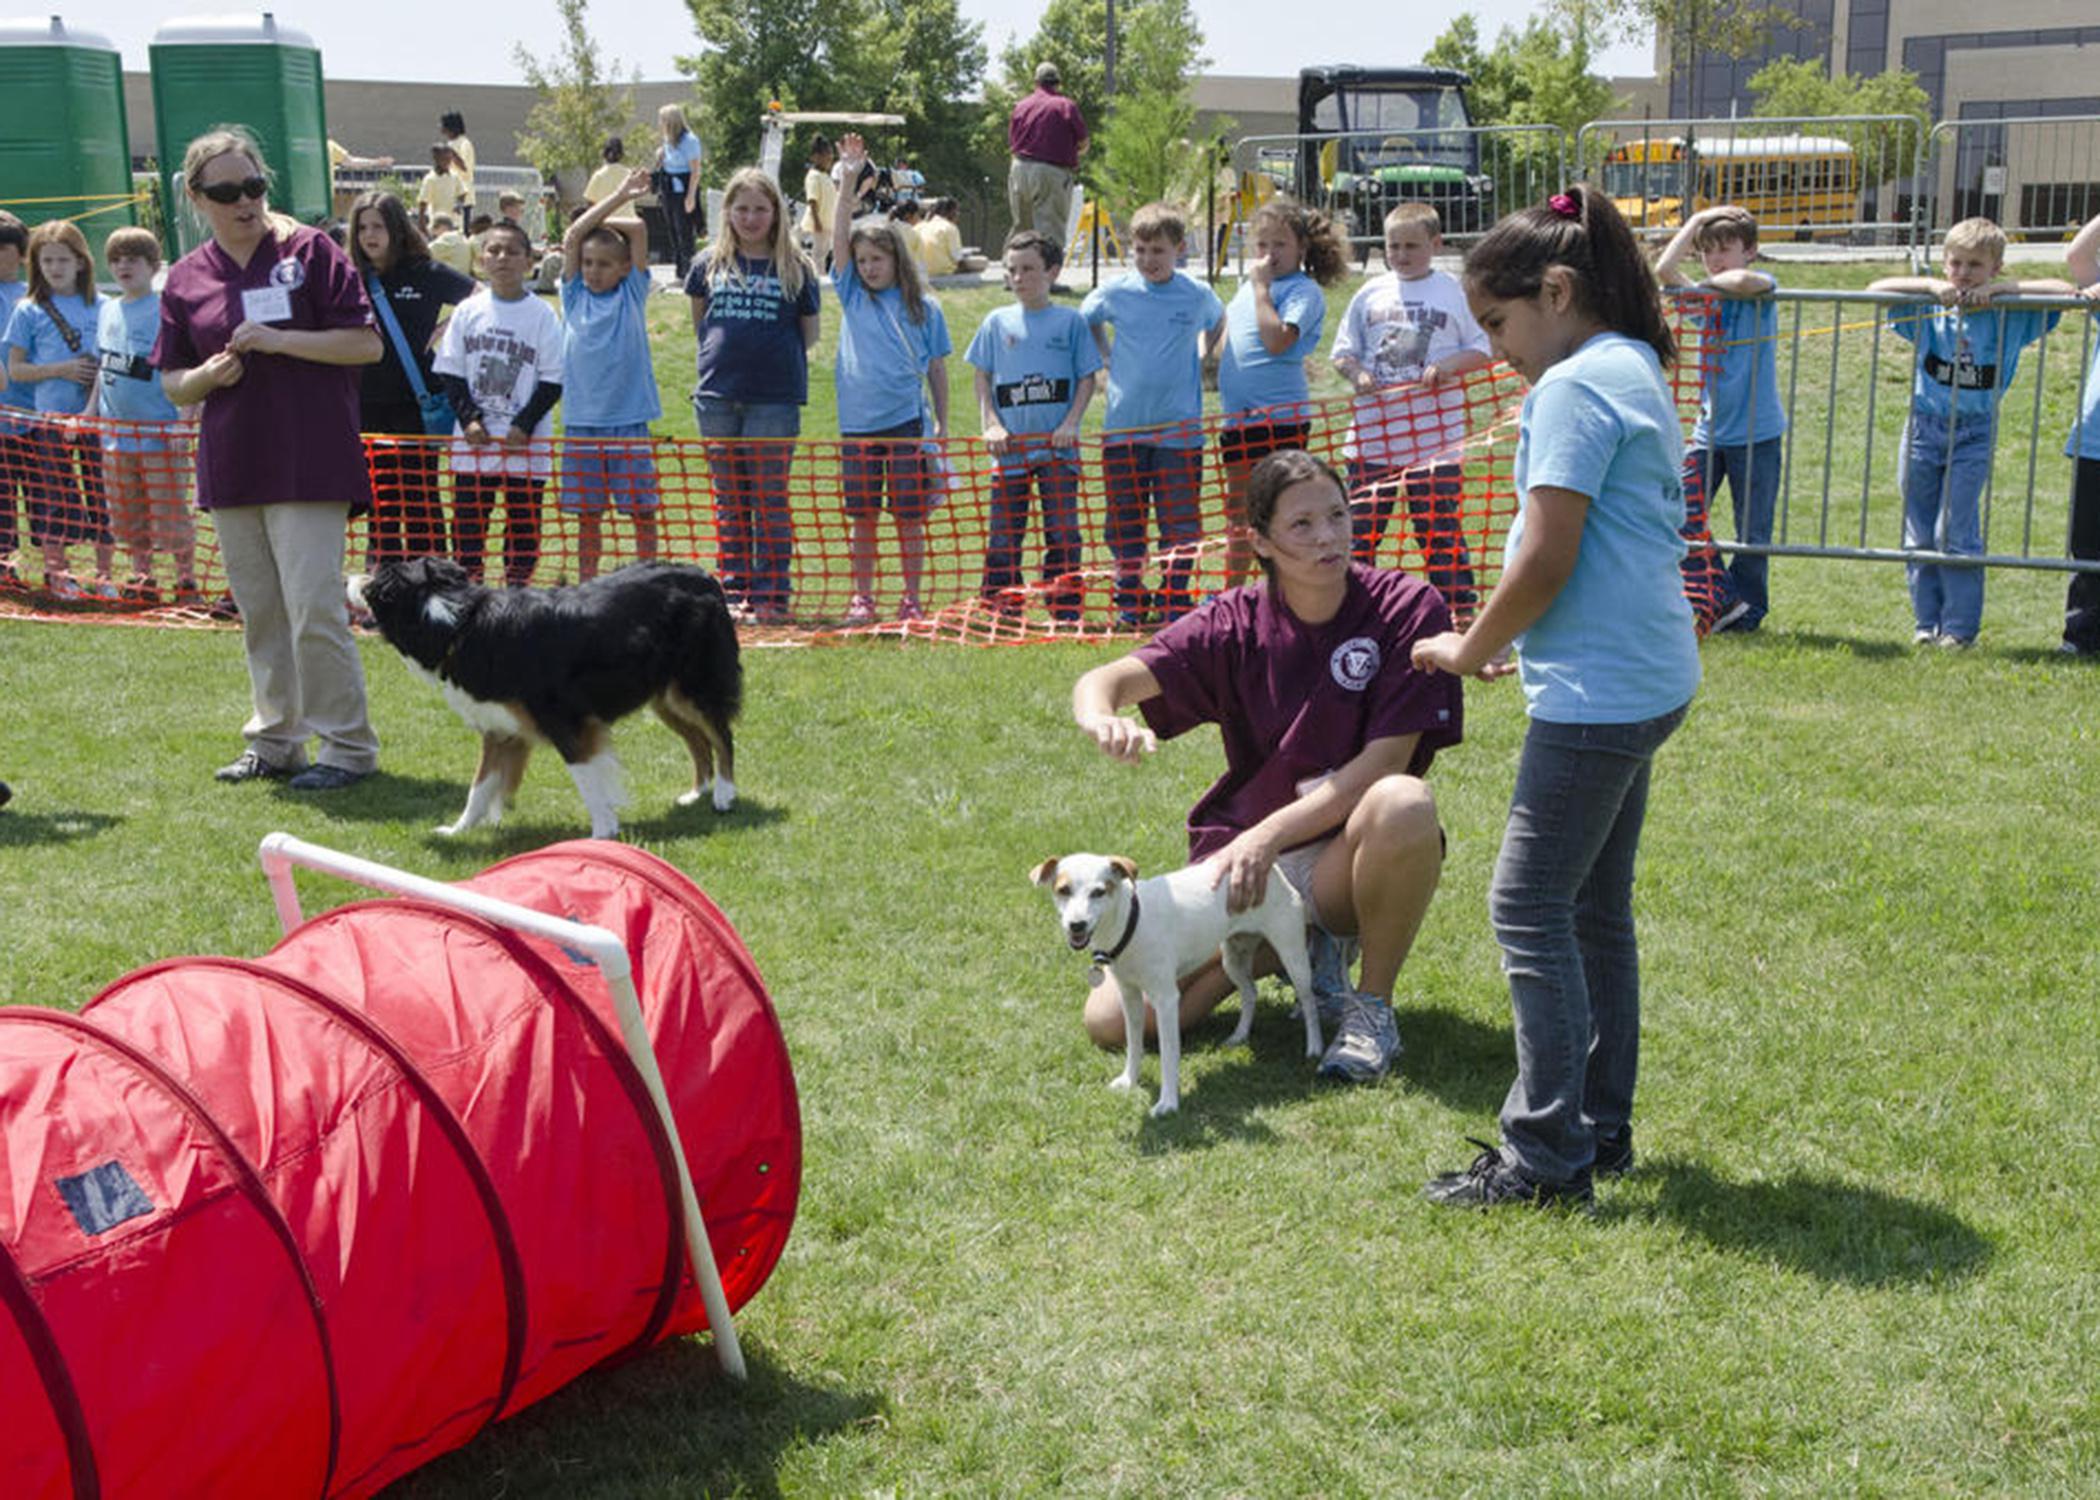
496 359
117 364
1962 372
1404 333
1034 390
749 298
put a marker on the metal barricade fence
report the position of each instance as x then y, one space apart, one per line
1830 177
1472 176
2037 177
1846 456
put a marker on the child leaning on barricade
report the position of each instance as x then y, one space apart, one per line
1968 354
1035 364
1166 324
1404 343
144 467
500 363
891 376
609 377
2082 599
50 348
1741 432
14 440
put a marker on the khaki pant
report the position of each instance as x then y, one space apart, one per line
285 564
1039 196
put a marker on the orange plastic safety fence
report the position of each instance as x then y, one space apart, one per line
822 538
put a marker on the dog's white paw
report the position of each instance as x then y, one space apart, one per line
449 830
1121 1084
725 794
1165 1107
691 798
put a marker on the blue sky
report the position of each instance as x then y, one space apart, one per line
412 39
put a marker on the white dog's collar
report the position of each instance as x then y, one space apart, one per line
1101 959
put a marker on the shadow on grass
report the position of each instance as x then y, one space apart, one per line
1839 1231
19 829
1872 648
1464 1063
665 1422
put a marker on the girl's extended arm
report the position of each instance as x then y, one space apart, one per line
1553 522
1096 697
937 393
853 151
636 184
1741 284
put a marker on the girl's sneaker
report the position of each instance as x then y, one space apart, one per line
861 611
909 610
188 594
102 588
141 589
63 586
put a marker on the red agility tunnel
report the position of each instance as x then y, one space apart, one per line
296 1225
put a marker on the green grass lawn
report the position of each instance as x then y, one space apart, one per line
1858 1255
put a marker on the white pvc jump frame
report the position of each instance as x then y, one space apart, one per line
280 852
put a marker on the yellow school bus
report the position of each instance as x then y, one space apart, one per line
1788 182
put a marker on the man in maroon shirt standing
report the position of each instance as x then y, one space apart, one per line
1045 135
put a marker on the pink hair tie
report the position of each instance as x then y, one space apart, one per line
1565 206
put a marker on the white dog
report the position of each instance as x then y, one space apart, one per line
1152 933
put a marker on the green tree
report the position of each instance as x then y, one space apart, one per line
1693 29
916 58
1792 88
1142 150
1537 76
581 99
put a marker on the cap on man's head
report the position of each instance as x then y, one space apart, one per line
1047 73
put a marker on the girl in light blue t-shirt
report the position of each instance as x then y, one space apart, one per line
1590 597
1271 324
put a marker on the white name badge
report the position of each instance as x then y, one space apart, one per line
266 304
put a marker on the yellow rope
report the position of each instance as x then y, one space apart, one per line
136 197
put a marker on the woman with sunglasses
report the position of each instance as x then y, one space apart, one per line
265 324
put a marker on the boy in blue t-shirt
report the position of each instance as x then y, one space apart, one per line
1166 324
1035 366
1741 432
608 380
1967 357
143 465
14 462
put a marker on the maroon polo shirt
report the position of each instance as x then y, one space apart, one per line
288 430
1047 127
1294 701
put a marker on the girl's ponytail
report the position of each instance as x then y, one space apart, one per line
1581 230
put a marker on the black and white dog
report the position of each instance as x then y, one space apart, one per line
561 665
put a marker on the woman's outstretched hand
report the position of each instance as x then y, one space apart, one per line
1120 738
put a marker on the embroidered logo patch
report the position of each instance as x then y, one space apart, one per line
288 273
1355 663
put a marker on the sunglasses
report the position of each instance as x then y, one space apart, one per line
234 192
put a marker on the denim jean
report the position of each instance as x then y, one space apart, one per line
2082 600
1432 493
752 513
1562 906
1142 476
1054 479
1752 471
1944 470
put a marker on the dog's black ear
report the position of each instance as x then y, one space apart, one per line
1043 873
1127 868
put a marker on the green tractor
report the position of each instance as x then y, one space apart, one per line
1373 138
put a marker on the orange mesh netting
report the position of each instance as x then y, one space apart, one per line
96 515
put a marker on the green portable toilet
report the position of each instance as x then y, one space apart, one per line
63 136
245 70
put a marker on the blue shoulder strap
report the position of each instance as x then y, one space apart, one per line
409 366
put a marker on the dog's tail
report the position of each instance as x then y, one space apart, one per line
710 667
